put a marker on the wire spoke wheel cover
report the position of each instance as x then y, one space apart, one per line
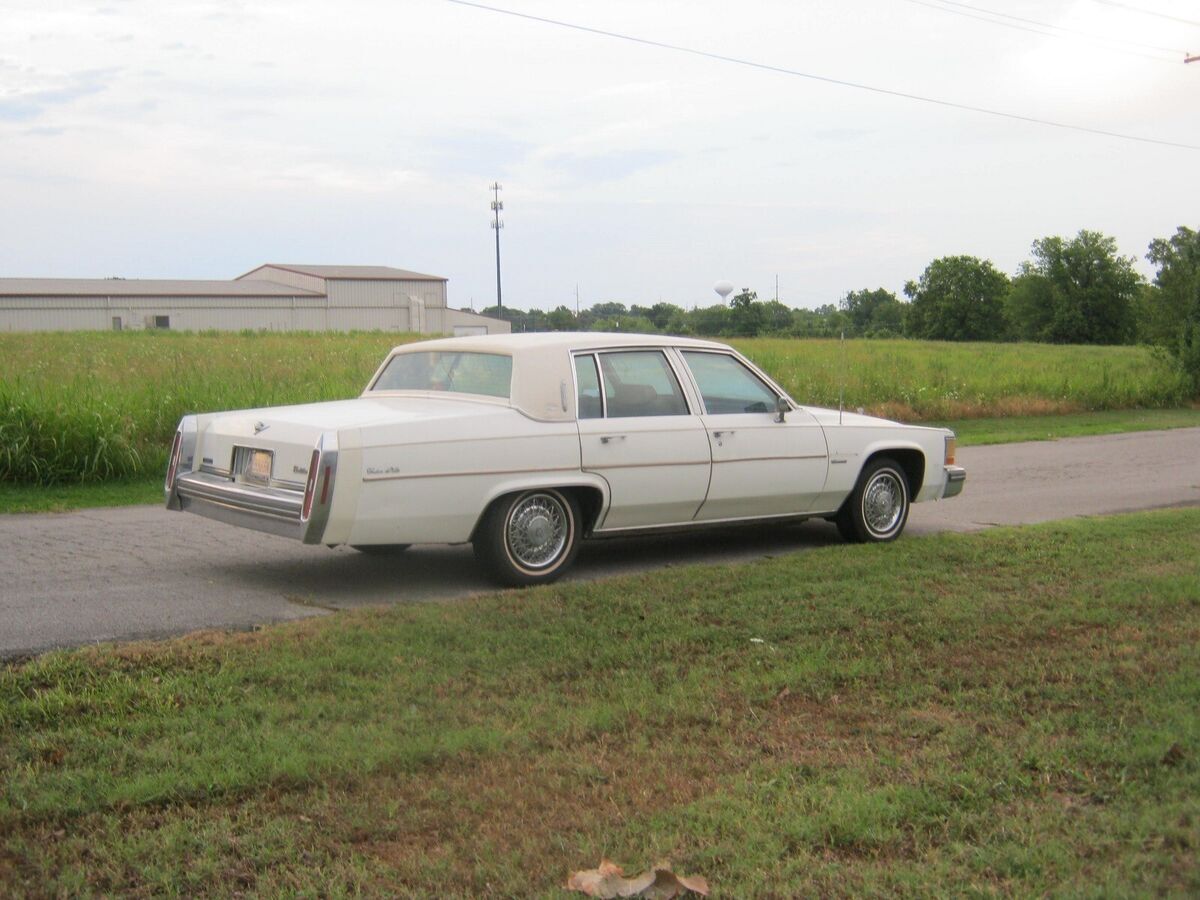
883 502
529 538
537 530
877 508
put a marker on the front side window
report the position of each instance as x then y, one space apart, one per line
727 386
489 374
640 383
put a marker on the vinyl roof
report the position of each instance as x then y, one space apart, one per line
369 273
146 287
536 341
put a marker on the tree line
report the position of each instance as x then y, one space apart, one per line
1072 291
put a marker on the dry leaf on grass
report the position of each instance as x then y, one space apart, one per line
609 881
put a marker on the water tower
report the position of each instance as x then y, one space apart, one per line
724 288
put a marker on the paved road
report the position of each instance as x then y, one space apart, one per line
134 572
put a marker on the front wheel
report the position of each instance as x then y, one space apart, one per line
529 538
877 508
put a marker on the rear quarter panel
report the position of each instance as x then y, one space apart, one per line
430 482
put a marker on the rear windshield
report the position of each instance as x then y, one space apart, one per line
489 374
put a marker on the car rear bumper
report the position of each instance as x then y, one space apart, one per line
273 510
956 476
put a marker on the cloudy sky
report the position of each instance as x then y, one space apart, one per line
200 138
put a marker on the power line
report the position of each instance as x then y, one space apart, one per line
1148 12
766 67
1114 43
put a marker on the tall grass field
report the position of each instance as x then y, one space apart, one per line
95 406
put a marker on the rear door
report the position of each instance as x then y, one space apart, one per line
761 466
637 431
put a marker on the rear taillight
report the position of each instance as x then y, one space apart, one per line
310 486
951 446
173 465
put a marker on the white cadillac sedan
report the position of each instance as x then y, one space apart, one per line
524 445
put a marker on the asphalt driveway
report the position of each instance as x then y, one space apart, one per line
137 572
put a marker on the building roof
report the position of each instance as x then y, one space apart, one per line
368 273
146 287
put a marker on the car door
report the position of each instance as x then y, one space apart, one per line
761 466
637 432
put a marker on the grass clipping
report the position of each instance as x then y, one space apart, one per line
609 881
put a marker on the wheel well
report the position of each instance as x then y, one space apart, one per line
590 501
911 461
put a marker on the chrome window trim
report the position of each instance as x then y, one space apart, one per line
662 350
770 385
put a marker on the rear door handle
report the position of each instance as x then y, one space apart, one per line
609 438
721 434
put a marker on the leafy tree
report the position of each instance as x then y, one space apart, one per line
824 321
777 317
609 310
712 321
1079 291
562 319
747 314
1175 302
873 313
660 314
958 298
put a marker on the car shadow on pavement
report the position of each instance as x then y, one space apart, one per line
343 578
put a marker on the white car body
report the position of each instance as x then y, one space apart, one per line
406 466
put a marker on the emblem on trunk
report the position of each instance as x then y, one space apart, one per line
260 426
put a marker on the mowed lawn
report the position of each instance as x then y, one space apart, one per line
1013 712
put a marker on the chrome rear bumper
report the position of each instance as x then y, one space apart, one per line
264 509
274 510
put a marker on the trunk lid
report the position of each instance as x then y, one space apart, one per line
226 441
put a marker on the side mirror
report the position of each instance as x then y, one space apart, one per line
781 407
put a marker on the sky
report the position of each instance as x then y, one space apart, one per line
202 138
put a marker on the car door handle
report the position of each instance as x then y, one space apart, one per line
721 434
609 438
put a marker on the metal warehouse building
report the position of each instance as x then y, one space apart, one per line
273 297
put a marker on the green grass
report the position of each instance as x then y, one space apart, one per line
928 380
102 406
1014 712
1009 429
39 498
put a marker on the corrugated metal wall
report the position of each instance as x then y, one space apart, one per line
350 305
182 313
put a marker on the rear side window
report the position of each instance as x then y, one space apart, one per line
640 383
489 374
588 402
727 386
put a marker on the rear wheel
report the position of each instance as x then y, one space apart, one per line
877 508
529 538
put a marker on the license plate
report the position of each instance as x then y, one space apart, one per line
258 466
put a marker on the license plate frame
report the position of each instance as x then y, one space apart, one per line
255 465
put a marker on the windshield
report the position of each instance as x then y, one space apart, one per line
489 374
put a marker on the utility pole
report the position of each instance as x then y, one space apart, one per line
577 301
497 224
